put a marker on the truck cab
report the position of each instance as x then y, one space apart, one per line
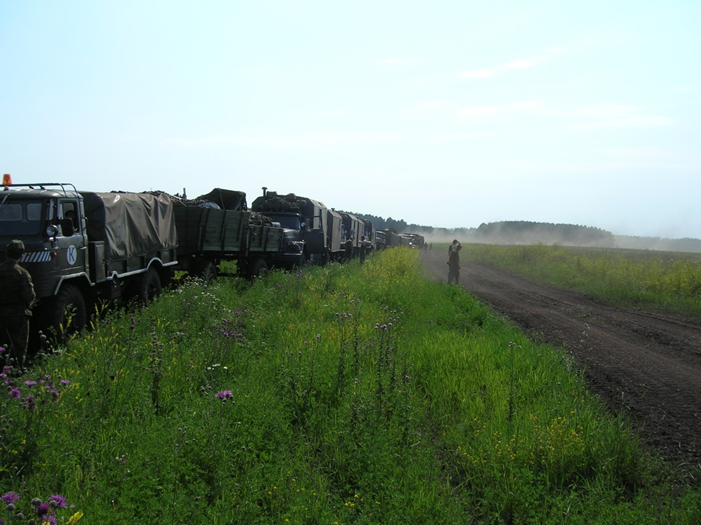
295 229
49 219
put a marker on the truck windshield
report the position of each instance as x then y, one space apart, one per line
20 217
290 222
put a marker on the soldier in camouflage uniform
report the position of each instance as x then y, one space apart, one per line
454 262
16 298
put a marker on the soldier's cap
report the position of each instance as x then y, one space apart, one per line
15 246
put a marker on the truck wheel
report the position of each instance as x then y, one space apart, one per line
259 268
166 276
64 315
148 287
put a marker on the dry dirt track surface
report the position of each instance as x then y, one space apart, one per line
643 364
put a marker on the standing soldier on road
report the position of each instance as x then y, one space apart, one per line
349 248
454 262
363 249
16 298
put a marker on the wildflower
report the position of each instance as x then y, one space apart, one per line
9 498
74 519
30 383
42 509
30 403
224 395
65 382
57 501
15 393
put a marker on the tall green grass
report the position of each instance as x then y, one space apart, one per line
667 281
344 394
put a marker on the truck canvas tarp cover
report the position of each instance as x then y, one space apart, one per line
225 199
130 224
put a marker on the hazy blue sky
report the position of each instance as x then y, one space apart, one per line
442 113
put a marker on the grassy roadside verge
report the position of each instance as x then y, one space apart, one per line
666 281
343 394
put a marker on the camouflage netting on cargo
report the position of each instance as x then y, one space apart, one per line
274 202
219 199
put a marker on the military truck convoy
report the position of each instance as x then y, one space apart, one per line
83 248
320 233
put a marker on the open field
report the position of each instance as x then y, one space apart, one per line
344 394
666 281
643 362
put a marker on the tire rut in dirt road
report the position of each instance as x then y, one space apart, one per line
645 365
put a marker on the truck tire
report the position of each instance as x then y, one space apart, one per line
64 315
258 269
147 287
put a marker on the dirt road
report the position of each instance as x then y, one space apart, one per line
644 364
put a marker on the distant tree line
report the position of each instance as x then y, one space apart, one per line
429 232
520 232
380 223
527 232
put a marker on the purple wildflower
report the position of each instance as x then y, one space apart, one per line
9 498
15 393
224 394
30 383
30 403
42 509
65 382
2 349
57 501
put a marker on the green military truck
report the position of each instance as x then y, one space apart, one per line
218 227
85 247
312 231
